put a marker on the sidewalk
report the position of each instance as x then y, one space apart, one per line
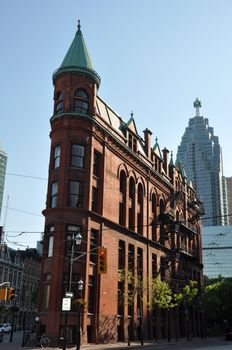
17 340
136 344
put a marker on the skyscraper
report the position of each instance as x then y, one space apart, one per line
200 154
3 160
229 196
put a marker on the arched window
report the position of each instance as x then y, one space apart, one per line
162 229
153 208
59 102
122 203
140 194
161 206
81 102
132 204
140 209
123 182
132 188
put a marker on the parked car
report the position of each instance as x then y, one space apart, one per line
5 327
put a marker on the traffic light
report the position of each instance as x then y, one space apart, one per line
3 293
11 293
102 260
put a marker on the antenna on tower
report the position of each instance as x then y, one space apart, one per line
197 106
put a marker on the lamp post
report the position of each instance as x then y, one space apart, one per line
77 239
37 320
80 284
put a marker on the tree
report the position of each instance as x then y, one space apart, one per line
136 287
190 291
164 298
218 302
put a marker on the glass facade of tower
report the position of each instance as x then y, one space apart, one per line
200 154
3 160
217 251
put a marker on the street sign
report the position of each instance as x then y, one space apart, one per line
66 304
69 294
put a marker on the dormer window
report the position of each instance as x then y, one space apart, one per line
81 102
132 142
59 103
134 145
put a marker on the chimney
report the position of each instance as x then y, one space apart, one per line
147 139
166 161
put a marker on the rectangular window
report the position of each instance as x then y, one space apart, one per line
130 141
156 164
121 255
93 246
122 214
46 291
162 268
50 245
131 257
94 199
54 194
140 223
154 265
91 295
131 218
77 156
56 158
140 262
76 194
121 301
96 164
134 144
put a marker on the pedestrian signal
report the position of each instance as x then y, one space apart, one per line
102 260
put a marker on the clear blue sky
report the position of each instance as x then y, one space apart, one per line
154 57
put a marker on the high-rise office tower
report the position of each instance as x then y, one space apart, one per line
3 160
229 195
200 154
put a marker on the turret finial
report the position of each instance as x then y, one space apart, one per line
156 139
132 113
79 26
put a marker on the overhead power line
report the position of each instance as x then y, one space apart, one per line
28 176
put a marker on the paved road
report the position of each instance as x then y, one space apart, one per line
208 344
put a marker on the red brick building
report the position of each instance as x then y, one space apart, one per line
110 184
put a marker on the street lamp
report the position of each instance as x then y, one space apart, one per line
75 239
80 284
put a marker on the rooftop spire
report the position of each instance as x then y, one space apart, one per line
197 106
77 59
79 26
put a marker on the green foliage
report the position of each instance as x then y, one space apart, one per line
136 286
162 295
217 300
190 291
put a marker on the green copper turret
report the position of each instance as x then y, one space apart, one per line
77 59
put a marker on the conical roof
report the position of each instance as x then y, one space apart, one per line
77 59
